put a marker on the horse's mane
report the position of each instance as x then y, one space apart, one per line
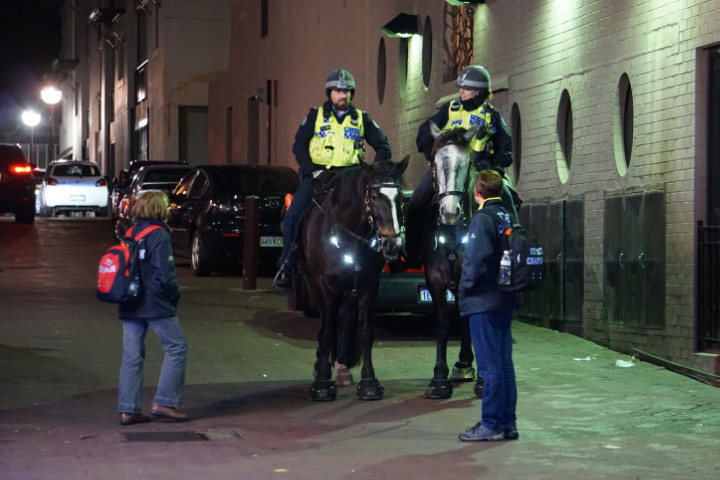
456 136
348 185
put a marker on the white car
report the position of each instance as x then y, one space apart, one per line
74 186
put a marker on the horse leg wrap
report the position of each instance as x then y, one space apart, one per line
323 391
462 372
370 390
439 389
343 375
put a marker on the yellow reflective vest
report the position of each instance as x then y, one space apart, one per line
337 144
482 117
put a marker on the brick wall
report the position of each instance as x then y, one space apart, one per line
542 48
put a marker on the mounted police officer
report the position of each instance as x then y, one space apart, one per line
331 136
492 146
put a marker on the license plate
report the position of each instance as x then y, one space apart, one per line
77 198
425 296
271 241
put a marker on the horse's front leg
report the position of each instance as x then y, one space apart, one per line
463 371
440 387
369 388
323 388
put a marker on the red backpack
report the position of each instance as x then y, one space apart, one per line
119 269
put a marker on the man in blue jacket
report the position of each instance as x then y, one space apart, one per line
490 311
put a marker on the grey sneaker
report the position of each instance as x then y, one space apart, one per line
478 433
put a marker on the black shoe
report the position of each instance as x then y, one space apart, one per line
511 433
479 387
283 282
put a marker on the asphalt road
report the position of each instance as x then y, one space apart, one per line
249 370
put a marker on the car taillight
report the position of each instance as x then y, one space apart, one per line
21 169
101 183
288 200
51 182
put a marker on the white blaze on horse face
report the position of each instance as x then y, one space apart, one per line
391 193
451 164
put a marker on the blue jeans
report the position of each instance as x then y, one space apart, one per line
172 374
301 199
492 339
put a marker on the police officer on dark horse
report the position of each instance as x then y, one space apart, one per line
489 146
331 136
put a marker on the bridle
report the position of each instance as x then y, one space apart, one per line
374 237
368 210
461 194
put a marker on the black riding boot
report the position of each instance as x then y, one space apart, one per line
283 281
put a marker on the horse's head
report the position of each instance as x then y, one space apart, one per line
451 168
383 203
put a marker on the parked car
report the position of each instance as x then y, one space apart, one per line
150 177
207 213
123 180
73 186
17 184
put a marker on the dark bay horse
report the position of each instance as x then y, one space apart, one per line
345 239
443 235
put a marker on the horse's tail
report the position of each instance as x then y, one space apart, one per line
348 349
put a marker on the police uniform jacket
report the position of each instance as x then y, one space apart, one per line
159 280
501 139
373 136
478 291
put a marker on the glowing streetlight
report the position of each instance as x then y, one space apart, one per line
31 119
51 96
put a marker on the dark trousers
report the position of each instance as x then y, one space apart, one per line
417 210
492 340
301 199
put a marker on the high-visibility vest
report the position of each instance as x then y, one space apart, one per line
459 117
337 144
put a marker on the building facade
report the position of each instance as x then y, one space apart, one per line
613 109
135 76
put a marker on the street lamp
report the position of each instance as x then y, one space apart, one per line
51 96
31 119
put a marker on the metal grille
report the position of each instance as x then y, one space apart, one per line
459 30
264 18
634 245
708 286
558 301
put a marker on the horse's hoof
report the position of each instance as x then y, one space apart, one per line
439 389
479 387
323 391
370 390
343 376
462 372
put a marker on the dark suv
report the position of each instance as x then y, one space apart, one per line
17 184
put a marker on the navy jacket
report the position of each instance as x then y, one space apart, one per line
301 148
478 292
501 139
160 285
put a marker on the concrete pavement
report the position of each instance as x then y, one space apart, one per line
579 415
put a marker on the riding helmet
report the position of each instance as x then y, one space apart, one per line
473 77
340 80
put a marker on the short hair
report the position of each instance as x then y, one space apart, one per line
489 184
151 205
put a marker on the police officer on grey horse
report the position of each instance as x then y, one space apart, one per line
492 147
331 136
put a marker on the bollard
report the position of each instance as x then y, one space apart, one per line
251 240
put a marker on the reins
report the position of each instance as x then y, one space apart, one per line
372 239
